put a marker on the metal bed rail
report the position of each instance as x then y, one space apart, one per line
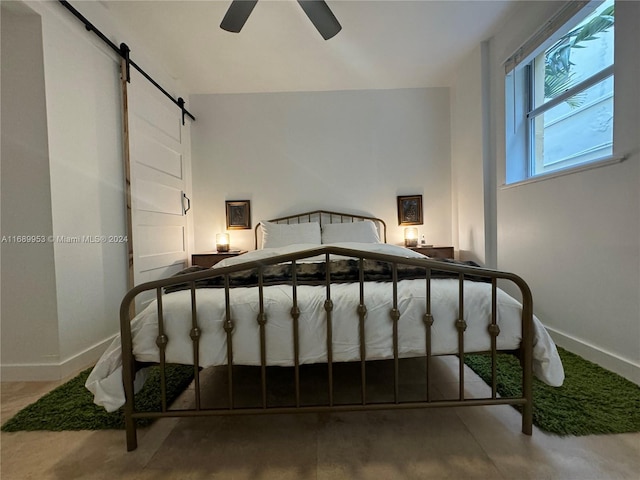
459 271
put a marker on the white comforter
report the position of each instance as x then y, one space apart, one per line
105 381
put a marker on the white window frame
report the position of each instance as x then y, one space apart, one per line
519 111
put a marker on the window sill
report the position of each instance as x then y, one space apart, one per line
603 162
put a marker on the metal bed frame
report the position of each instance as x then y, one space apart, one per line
525 352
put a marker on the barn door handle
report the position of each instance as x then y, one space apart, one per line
184 197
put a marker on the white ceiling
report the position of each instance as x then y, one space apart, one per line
383 43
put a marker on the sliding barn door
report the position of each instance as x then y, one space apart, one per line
159 176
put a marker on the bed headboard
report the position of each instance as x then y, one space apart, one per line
324 217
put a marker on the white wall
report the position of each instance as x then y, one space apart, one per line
29 326
67 320
469 139
576 238
345 150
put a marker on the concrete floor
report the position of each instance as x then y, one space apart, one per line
446 443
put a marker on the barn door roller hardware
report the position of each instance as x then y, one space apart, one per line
124 52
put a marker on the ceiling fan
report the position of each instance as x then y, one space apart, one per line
317 11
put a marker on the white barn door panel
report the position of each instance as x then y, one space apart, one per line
160 183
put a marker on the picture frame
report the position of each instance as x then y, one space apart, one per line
238 214
410 210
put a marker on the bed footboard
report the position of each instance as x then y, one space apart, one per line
431 270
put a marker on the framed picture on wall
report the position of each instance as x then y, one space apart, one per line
238 214
410 210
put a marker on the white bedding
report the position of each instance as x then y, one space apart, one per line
105 381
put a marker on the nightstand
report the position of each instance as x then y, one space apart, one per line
434 251
209 259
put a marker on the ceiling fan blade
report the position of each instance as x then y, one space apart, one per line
321 16
237 15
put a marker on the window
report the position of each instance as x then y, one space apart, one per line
560 98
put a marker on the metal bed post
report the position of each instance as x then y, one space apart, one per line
161 342
295 315
527 357
195 338
262 320
395 316
494 331
228 328
362 314
461 325
328 306
128 371
428 323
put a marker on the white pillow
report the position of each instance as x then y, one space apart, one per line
282 234
362 232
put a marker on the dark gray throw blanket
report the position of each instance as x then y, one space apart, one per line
342 271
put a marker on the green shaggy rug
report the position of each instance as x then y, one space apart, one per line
71 407
592 400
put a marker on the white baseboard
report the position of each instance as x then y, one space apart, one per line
45 372
622 366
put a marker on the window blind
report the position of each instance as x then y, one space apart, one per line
547 31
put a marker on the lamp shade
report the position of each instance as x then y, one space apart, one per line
222 242
411 237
